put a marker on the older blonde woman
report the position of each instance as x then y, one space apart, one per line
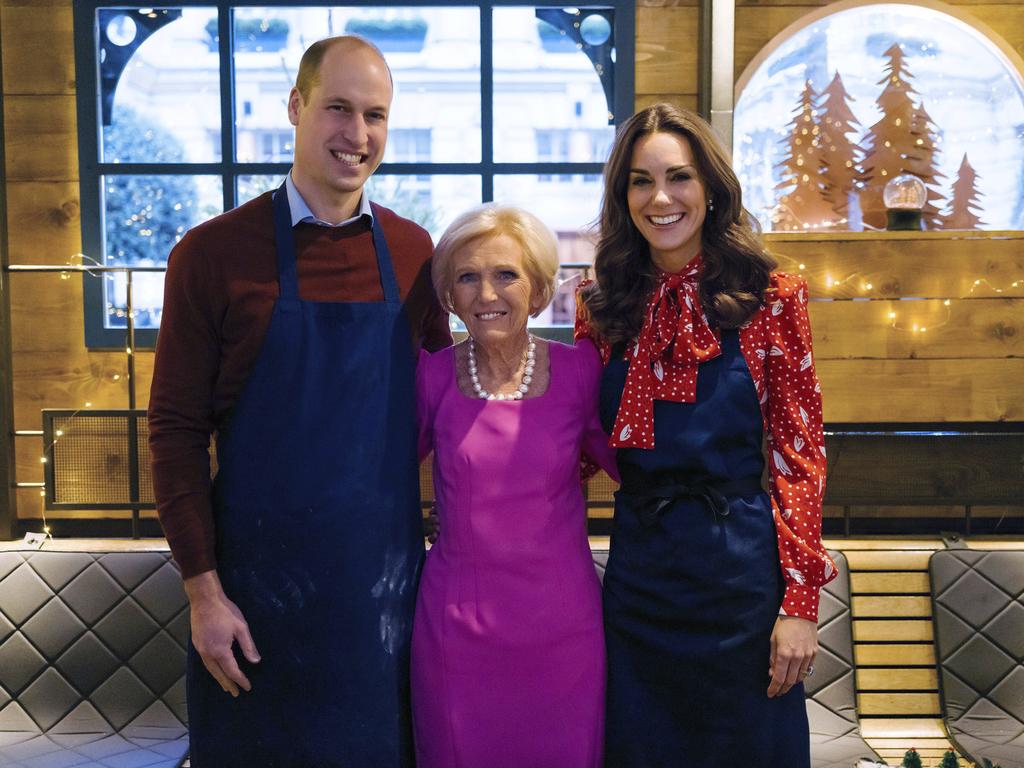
508 659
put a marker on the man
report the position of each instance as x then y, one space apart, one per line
289 330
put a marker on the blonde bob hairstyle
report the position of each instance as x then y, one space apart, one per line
537 242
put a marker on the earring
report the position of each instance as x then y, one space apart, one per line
711 204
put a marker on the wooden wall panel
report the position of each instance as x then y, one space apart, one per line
44 222
922 390
922 265
41 142
32 64
74 379
666 50
935 329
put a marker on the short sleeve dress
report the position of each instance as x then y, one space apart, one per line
508 659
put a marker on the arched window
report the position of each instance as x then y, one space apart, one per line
846 100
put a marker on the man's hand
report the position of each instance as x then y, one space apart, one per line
216 625
794 646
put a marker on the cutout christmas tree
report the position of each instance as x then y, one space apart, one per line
963 206
805 205
841 156
902 141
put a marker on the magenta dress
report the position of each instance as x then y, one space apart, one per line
508 659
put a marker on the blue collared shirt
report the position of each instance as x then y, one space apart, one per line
301 214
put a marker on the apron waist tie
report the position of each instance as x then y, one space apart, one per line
658 490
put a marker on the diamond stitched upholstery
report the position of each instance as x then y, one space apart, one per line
92 660
831 694
978 609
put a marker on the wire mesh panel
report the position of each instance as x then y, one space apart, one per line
97 460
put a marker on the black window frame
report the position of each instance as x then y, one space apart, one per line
92 170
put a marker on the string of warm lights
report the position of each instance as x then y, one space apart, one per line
912 325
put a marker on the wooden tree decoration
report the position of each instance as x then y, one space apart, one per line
911 759
922 162
841 156
902 141
963 206
804 206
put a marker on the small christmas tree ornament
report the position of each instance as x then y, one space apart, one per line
911 759
905 197
949 760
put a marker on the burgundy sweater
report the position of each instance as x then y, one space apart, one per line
219 294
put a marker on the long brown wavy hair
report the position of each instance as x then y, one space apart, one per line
736 266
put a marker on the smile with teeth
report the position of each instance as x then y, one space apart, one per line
662 220
346 157
489 315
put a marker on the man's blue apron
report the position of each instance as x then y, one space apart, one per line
319 536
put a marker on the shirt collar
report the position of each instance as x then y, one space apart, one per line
301 214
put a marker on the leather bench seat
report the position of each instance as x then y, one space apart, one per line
978 609
92 660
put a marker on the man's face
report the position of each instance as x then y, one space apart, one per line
341 131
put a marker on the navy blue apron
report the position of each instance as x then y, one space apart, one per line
693 586
319 536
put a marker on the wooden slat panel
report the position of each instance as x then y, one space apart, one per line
889 583
69 381
916 510
41 142
966 328
886 544
897 680
922 390
895 655
27 454
755 27
910 727
898 704
38 50
983 543
1007 20
892 632
47 315
891 606
924 265
44 224
920 742
685 100
666 50
900 560
923 470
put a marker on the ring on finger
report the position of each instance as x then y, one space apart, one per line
809 671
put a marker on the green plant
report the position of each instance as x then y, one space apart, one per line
949 760
911 759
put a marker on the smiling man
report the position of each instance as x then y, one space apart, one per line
289 332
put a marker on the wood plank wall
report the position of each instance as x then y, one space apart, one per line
965 366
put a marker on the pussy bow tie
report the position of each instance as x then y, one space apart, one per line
674 340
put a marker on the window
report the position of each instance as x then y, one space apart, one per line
854 98
182 115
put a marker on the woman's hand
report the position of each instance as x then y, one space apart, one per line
794 647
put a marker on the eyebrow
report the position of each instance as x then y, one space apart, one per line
673 169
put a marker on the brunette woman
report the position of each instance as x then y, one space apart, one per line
711 592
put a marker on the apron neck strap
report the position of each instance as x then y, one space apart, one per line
388 282
287 270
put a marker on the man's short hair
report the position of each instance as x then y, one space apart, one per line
309 65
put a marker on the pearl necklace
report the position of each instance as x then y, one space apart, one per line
524 385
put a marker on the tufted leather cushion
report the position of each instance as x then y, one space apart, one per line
978 603
92 660
831 694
